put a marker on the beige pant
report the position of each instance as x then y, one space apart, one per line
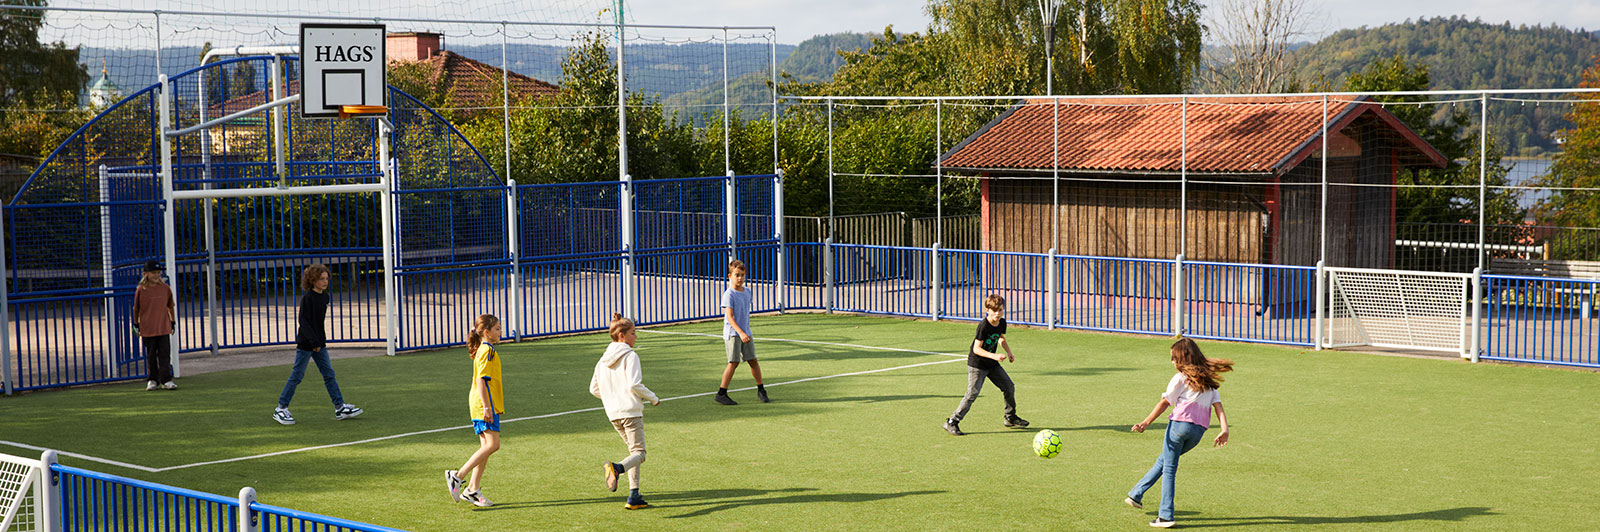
632 432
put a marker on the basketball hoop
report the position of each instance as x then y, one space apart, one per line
347 111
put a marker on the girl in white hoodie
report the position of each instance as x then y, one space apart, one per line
619 384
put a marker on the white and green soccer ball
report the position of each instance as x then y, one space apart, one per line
1047 443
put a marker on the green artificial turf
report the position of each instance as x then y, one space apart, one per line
1320 440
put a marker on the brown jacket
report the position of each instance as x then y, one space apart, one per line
152 308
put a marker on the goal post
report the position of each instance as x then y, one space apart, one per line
24 497
1398 309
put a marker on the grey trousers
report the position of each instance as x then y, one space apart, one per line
975 377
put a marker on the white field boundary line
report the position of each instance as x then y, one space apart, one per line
955 358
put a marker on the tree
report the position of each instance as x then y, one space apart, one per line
37 82
1253 38
1453 133
1574 177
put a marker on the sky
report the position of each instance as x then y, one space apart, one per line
797 20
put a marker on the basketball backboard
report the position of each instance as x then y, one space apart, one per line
341 65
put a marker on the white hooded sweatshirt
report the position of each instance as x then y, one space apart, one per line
619 383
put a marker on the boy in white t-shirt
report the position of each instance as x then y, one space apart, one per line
1192 393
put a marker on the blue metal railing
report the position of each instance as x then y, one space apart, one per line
968 278
1114 294
568 295
1543 320
1249 302
94 501
437 305
882 279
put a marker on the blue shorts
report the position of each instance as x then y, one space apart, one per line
478 425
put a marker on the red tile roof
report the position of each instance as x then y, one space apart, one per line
1225 135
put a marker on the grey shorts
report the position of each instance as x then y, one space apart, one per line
739 351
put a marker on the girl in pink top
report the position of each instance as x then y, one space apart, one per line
1192 394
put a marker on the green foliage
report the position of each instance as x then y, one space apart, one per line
1449 130
1467 54
817 58
1578 166
39 84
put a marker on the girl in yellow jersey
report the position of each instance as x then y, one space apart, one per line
485 400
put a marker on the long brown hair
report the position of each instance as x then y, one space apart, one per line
308 278
480 327
1202 372
619 326
150 280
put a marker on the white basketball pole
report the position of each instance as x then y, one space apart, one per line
110 304
391 304
169 219
626 201
211 237
514 314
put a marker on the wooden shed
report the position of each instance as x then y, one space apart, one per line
1253 168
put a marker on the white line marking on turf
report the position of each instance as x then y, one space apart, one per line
541 416
84 457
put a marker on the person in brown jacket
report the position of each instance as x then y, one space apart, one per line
153 319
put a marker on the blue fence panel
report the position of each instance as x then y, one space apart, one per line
761 274
64 337
1544 320
753 203
278 519
568 295
438 306
1118 295
804 275
1250 302
882 279
568 220
679 213
680 285
969 277
93 501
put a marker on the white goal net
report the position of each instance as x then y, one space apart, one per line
21 481
1398 309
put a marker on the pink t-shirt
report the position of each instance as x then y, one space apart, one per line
1189 405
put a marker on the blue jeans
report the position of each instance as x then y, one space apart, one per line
1181 436
323 366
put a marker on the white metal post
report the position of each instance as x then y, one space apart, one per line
730 214
938 176
49 497
1051 271
1178 296
1183 178
169 221
1483 169
247 517
827 274
391 300
625 206
513 250
629 301
933 302
830 178
1321 323
1475 298
1322 249
110 303
277 121
727 121
778 233
5 310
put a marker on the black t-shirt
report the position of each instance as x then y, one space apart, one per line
990 335
313 309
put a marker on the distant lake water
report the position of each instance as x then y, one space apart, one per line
1525 172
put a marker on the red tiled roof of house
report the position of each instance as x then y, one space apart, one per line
1225 135
471 84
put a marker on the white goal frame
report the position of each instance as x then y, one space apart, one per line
1399 309
26 500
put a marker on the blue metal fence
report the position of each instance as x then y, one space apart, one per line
1117 295
94 501
1543 320
1250 302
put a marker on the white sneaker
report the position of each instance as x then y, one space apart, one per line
346 411
1162 523
149 385
453 484
477 499
170 385
1130 502
281 415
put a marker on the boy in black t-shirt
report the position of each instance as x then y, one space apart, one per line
983 362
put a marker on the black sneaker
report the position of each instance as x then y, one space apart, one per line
953 428
635 503
1162 523
1016 422
724 400
762 395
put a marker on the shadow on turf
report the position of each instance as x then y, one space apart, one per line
878 398
712 501
1082 372
1451 514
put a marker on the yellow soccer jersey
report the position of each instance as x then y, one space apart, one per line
486 364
